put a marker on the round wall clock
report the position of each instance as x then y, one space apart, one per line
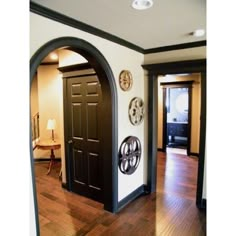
125 80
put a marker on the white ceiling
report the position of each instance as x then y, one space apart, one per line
167 23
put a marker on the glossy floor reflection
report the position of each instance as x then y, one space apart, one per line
170 211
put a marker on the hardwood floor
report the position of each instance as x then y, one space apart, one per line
170 211
177 175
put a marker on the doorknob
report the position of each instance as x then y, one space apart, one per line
70 141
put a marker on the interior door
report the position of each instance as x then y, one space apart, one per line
84 134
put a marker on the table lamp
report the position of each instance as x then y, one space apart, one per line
51 125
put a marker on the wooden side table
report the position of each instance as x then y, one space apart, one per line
49 145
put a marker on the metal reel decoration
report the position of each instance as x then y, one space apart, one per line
136 111
125 80
129 155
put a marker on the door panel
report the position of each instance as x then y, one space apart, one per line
84 125
79 171
94 171
77 120
92 124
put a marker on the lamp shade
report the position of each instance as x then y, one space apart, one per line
51 125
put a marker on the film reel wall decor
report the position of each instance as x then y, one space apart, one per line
129 155
136 111
125 80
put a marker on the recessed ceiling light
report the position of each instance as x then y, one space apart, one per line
199 33
53 56
142 4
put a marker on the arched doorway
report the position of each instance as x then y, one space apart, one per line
108 86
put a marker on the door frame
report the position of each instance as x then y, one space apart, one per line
154 70
102 67
177 84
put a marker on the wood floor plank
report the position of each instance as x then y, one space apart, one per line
43 220
55 229
97 230
118 228
171 211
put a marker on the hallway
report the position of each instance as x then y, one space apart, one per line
177 174
171 211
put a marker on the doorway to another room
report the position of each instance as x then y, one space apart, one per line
176 163
155 121
99 78
75 88
176 123
177 104
83 117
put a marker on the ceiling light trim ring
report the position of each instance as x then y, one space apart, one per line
142 4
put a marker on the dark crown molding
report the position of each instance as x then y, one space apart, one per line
53 15
189 66
48 63
189 82
70 68
176 47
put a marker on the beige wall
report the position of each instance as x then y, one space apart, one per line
196 95
34 107
119 58
49 94
67 57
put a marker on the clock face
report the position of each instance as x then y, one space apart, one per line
125 80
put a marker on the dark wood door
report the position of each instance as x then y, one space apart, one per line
84 123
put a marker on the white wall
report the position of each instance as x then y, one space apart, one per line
119 58
31 210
